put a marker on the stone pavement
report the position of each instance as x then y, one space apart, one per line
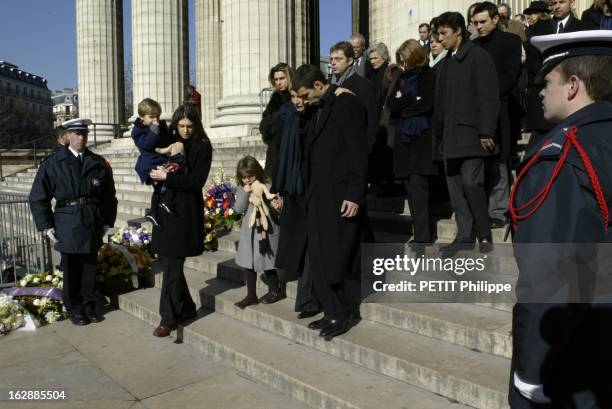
118 364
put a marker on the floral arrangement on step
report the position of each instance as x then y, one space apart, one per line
132 236
219 217
122 262
12 314
40 295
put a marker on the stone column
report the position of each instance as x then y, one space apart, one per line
360 12
160 53
380 21
99 26
208 56
256 34
306 33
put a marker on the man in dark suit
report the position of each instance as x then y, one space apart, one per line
361 62
345 75
465 121
336 170
505 48
424 34
563 20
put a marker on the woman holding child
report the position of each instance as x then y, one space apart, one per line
181 233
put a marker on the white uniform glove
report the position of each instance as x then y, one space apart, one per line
104 230
534 393
50 233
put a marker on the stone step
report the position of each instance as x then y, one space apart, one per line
481 328
320 380
437 366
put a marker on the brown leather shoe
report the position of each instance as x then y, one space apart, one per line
162 331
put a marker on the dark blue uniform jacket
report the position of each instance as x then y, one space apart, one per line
78 228
565 347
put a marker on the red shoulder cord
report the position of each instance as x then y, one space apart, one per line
534 204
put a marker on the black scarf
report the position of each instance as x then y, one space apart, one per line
288 180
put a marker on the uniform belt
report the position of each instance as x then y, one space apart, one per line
81 201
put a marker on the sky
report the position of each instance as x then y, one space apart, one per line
39 36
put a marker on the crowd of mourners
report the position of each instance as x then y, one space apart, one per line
439 120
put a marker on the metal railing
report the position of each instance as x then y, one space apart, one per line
38 148
23 249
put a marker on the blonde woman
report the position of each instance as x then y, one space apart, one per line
280 78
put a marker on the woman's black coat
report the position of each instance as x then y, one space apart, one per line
294 219
417 156
182 235
268 128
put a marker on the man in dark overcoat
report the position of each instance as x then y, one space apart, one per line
465 121
336 165
505 48
561 339
82 185
534 117
345 75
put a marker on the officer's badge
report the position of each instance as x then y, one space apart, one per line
95 182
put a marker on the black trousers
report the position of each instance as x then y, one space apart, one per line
331 296
305 300
79 281
419 202
465 180
175 302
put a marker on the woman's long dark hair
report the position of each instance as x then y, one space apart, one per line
187 111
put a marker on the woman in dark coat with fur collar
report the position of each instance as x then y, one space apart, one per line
280 78
182 234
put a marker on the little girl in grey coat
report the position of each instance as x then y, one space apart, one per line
257 247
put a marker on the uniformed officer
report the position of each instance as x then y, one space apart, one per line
559 206
82 185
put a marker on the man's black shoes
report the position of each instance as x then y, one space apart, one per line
497 223
92 315
318 324
335 328
485 245
79 319
307 314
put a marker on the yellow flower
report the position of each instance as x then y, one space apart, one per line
208 238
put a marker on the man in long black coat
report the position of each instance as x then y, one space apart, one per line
465 120
561 340
336 169
82 184
505 48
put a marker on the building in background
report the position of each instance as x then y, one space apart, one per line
65 105
26 108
